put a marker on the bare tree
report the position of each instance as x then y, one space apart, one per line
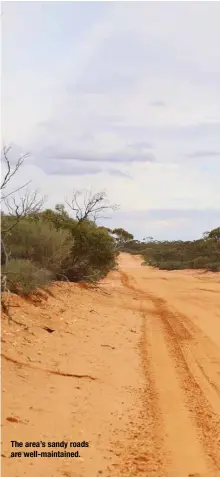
28 204
89 206
17 208
10 173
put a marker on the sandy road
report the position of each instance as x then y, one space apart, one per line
133 368
181 351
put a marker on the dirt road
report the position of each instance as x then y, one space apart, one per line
133 368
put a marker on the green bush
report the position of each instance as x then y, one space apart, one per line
23 276
72 250
93 253
213 267
40 243
200 262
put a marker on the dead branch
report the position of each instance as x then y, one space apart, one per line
10 172
92 205
28 204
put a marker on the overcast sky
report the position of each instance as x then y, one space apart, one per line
120 96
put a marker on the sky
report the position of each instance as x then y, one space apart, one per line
122 97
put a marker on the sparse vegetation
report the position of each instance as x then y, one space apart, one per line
38 246
178 255
42 245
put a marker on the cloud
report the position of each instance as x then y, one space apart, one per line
64 168
104 73
118 173
140 146
89 91
170 224
171 214
117 157
198 154
158 104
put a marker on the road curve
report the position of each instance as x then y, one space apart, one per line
133 367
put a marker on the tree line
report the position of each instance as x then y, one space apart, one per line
203 254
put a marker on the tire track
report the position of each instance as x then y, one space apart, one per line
145 452
207 422
210 381
177 336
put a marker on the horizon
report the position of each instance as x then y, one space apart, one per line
117 94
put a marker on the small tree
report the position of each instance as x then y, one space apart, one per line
214 234
122 237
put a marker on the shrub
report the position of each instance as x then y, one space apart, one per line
93 253
40 243
213 267
200 262
23 276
